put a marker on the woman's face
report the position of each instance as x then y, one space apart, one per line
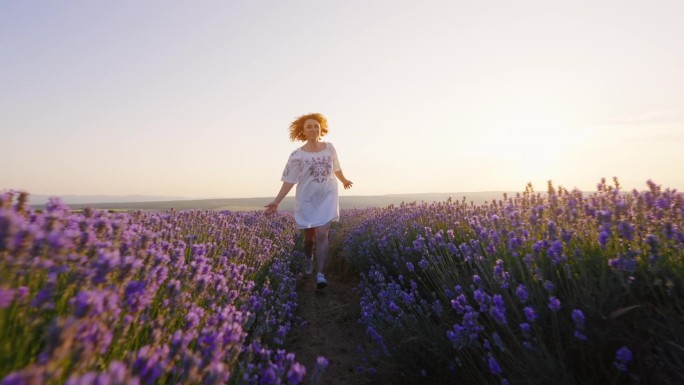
312 129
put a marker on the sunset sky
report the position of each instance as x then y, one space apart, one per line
193 99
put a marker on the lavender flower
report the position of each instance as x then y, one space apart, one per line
423 263
501 275
652 242
526 329
604 236
626 230
521 292
6 297
483 299
297 371
319 368
460 304
554 303
578 319
622 357
494 366
498 310
477 280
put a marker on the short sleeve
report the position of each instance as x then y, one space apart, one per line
336 162
293 169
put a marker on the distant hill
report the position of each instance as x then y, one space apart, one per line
41 199
246 204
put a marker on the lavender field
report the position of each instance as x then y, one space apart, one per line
536 288
144 298
553 288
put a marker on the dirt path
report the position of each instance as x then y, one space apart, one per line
331 330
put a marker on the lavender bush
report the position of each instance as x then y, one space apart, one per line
531 289
95 297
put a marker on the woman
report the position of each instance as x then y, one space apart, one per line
313 168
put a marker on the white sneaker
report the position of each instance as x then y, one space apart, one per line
308 266
321 282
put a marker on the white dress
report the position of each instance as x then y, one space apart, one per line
316 197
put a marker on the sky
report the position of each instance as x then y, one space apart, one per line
194 99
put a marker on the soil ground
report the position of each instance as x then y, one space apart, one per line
330 327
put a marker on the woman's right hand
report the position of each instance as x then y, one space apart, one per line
271 207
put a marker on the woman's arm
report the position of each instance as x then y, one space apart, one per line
345 182
273 206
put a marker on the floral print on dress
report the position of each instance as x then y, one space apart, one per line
291 162
320 168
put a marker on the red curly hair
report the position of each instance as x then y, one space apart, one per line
297 126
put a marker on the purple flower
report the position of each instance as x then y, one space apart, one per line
117 371
482 298
149 363
579 335
44 298
423 263
627 263
555 251
498 341
501 275
89 378
494 366
407 298
566 235
548 285
530 314
296 373
456 335
498 311
6 297
319 367
137 297
409 266
85 300
603 238
622 357
16 378
521 292
652 242
477 280
459 304
268 376
554 303
22 293
578 319
322 362
552 229
525 328
486 344
626 230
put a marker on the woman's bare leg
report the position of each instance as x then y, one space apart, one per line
309 237
322 245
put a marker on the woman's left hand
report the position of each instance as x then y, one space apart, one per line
347 184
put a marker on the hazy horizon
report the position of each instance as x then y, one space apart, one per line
76 199
132 198
168 98
258 203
